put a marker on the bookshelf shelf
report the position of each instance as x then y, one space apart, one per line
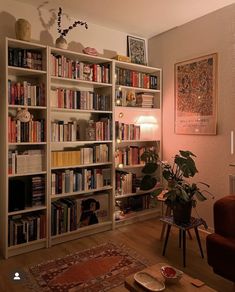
137 89
33 242
27 174
27 143
17 71
80 111
81 142
70 81
64 103
138 193
27 107
137 216
27 210
82 165
129 166
81 192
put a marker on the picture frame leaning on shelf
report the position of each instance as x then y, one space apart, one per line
136 50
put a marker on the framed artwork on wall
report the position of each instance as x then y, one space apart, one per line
196 96
136 50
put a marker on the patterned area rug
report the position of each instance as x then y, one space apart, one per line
100 268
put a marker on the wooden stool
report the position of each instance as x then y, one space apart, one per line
167 214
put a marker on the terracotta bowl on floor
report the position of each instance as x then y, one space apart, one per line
171 274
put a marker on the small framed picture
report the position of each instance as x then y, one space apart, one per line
136 50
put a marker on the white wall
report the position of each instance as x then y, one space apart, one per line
44 29
209 34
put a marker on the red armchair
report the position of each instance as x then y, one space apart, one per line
221 244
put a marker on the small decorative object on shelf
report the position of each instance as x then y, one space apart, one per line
122 58
90 51
23 30
23 115
61 41
90 131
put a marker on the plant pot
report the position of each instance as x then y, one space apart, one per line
61 43
182 213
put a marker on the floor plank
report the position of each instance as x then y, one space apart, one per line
143 237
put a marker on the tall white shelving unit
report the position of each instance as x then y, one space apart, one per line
35 74
100 79
137 81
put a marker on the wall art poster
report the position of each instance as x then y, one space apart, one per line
195 96
136 50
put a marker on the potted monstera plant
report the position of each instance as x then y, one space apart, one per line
182 195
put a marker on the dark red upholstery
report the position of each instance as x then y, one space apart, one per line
221 244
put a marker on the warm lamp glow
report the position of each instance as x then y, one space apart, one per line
146 120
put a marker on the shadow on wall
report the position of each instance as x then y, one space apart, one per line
45 37
7 24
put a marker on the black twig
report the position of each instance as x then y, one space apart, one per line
64 32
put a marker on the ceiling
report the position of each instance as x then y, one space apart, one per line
144 18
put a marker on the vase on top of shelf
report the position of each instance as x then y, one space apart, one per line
61 41
23 30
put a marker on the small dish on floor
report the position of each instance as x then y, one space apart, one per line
149 282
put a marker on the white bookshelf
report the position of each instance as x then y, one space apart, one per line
129 112
14 97
101 86
82 115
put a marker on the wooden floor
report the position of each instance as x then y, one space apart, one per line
141 236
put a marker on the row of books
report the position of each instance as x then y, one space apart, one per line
85 155
77 180
38 190
129 155
127 131
32 131
25 228
69 214
125 97
25 93
76 99
125 182
62 131
25 58
27 161
132 78
62 66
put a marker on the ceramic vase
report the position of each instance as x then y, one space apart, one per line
23 30
61 43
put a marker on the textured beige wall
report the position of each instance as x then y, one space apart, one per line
209 34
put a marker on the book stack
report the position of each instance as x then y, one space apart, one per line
25 93
25 58
32 131
145 100
62 131
68 181
125 182
132 78
26 162
76 99
127 131
26 228
38 190
69 214
62 66
129 155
